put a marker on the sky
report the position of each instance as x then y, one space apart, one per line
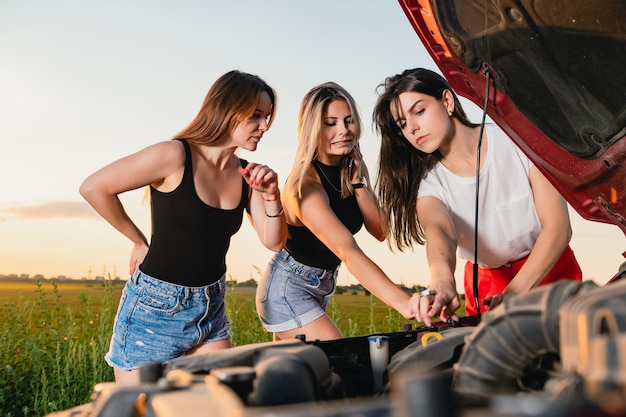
83 83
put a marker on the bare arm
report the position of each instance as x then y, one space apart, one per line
441 247
553 239
152 165
365 197
266 211
313 210
370 210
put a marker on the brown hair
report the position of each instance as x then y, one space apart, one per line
401 167
232 98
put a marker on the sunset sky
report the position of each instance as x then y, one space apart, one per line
83 83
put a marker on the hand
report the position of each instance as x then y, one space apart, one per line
442 300
137 255
356 157
261 178
493 301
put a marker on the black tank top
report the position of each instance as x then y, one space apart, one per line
189 238
303 245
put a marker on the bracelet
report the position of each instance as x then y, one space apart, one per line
276 197
280 213
361 184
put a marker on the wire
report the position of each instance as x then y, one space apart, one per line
480 141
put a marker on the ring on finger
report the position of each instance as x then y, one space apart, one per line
428 292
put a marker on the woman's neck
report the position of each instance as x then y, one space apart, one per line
330 160
459 154
218 156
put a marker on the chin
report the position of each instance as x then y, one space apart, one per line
341 151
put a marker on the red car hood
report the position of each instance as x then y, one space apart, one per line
558 85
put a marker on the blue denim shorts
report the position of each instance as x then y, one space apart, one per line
157 321
291 294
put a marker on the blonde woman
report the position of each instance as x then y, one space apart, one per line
327 199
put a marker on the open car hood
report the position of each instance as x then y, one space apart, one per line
557 85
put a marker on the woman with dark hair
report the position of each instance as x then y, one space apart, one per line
327 199
173 304
427 191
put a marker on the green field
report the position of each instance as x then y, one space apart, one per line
53 337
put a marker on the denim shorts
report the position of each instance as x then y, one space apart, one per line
157 321
291 295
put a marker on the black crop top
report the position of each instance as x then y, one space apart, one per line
303 245
189 238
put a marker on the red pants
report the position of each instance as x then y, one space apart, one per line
492 281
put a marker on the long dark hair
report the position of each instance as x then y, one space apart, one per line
401 167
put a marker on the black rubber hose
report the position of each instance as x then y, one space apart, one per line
511 337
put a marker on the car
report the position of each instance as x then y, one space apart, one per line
552 75
556 72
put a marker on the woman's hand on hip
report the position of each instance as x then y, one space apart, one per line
137 255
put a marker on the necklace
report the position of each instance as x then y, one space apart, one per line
320 169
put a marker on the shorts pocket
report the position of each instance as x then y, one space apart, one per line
309 280
300 287
120 305
158 302
328 289
265 282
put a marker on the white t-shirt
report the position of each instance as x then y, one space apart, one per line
508 225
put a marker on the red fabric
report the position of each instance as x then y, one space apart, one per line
492 281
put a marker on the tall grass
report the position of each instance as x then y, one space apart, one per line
53 341
51 356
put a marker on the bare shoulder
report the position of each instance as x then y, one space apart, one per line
431 209
312 186
167 154
314 200
310 198
160 163
167 149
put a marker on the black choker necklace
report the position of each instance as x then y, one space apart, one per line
320 168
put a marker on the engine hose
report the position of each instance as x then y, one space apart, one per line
510 337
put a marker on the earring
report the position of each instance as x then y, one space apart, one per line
450 113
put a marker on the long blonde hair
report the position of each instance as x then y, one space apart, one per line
310 126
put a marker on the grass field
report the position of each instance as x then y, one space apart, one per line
52 341
53 337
